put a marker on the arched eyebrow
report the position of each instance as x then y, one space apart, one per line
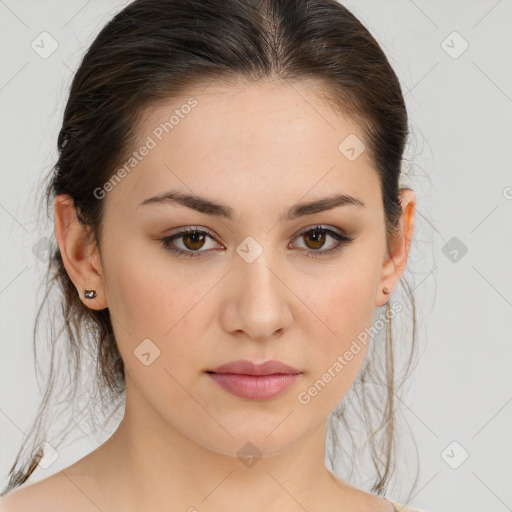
210 207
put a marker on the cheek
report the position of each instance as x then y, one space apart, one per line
149 294
155 314
339 330
345 302
159 303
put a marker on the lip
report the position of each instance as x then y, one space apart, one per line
255 381
245 367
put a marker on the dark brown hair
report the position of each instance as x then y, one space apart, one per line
154 50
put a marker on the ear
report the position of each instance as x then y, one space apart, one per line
80 254
396 261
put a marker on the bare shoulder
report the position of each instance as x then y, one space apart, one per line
376 503
404 508
60 492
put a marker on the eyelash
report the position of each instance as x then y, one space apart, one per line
338 236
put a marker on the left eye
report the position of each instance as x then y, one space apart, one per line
193 239
315 238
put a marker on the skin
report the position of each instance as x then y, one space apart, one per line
260 149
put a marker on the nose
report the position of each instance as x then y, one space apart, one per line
259 301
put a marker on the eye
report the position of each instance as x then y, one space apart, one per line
316 237
193 240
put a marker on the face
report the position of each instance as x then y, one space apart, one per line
257 278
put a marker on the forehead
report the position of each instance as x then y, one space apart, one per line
263 113
224 139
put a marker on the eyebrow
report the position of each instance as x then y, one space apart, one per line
210 207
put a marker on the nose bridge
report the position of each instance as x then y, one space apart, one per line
261 302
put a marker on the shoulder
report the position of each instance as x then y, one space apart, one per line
57 493
41 495
403 508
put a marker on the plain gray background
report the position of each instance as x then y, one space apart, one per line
460 107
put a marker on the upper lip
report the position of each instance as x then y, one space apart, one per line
245 367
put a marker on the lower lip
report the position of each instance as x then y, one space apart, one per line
255 387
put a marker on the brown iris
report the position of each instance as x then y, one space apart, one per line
196 240
317 236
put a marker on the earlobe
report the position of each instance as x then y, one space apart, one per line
79 253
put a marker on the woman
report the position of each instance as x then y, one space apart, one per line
229 220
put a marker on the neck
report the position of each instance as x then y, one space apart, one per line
149 464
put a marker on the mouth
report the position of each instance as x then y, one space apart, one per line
245 367
253 381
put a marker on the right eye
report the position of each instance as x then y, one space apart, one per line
192 240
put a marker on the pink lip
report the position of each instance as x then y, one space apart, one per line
246 367
255 381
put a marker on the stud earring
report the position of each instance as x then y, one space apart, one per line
90 294
386 290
